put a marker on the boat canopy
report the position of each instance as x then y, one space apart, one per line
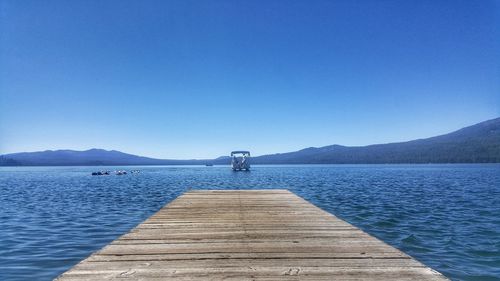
240 152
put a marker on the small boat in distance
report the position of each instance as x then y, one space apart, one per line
100 173
209 165
240 160
118 172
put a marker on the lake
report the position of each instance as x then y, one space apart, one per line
446 216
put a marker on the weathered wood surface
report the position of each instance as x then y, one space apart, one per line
247 235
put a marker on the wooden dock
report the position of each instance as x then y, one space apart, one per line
247 235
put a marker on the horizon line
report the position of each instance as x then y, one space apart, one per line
309 147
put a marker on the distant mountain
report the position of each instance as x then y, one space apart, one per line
92 157
479 143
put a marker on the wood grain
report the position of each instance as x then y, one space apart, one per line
247 235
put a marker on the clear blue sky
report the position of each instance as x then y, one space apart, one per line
197 79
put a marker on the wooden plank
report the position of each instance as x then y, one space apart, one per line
247 235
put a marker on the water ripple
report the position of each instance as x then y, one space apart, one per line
446 216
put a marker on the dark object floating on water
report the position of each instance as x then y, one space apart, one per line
100 173
209 165
118 173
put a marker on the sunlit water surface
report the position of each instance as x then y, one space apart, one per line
446 216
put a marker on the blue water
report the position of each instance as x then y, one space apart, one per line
446 216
